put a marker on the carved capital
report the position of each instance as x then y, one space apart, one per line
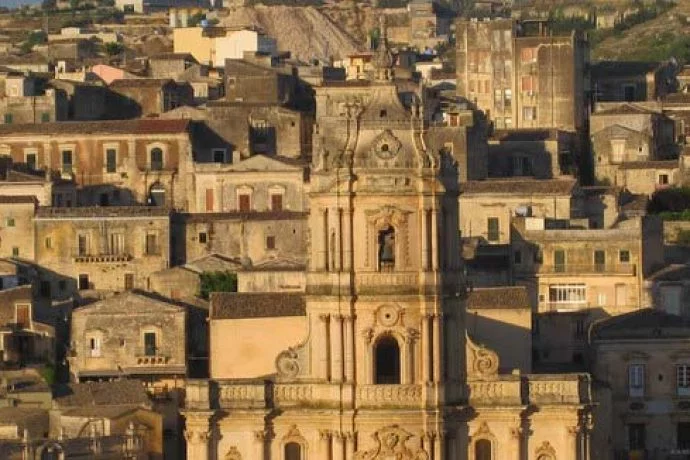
348 319
573 430
338 318
368 335
324 435
259 435
516 433
324 317
350 436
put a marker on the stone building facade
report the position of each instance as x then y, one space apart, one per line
100 248
373 361
522 78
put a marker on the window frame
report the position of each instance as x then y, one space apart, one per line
106 158
637 376
683 379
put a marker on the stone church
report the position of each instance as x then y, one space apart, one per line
373 361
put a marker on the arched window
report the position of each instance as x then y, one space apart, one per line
293 451
387 249
482 450
156 159
157 195
387 361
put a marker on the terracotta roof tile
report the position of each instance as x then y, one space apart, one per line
520 186
139 126
17 199
101 393
661 164
643 324
231 305
499 297
139 82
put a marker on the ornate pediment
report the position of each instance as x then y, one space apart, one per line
391 443
387 215
482 362
233 454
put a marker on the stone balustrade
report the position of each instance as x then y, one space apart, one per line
495 391
552 389
389 395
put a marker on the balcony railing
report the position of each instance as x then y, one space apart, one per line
566 306
602 269
102 258
156 357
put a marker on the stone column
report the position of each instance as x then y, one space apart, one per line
347 239
408 376
366 377
259 444
334 219
516 435
338 446
438 445
337 348
425 349
574 437
323 372
434 240
425 239
324 444
348 325
324 241
438 352
197 434
350 445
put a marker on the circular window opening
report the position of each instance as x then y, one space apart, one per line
384 148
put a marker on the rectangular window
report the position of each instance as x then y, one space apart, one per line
31 161
528 55
599 260
683 379
8 118
209 199
683 436
48 243
117 243
67 161
15 251
276 202
129 281
527 84
219 155
22 312
507 98
83 282
151 244
150 343
10 221
617 151
508 122
636 436
663 179
493 233
83 246
568 296
202 237
244 202
111 160
624 256
95 347
156 159
559 261
636 378
529 113
270 242
471 86
45 117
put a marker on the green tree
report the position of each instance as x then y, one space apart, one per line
113 48
217 282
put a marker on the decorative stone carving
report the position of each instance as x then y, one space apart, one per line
293 435
545 451
388 315
481 361
233 454
391 444
386 216
386 145
287 363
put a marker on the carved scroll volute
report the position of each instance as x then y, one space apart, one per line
482 362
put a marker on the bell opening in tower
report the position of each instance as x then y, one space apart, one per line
387 363
387 249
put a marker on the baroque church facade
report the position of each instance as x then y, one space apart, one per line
378 364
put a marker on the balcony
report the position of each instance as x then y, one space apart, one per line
102 258
389 395
588 269
566 306
157 357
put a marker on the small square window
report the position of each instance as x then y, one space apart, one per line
270 242
15 251
45 117
8 118
10 221
31 160
202 237
624 256
663 179
383 113
219 155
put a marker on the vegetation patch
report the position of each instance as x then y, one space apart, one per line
217 282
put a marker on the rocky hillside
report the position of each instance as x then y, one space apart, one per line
305 31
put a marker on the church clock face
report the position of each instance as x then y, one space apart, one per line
385 152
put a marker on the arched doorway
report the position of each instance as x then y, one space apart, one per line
387 361
482 450
157 195
293 451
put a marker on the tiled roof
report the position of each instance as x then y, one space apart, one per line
17 199
101 212
643 324
624 109
519 186
84 128
100 393
605 69
22 416
241 215
499 297
230 305
661 164
140 82
172 57
525 135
